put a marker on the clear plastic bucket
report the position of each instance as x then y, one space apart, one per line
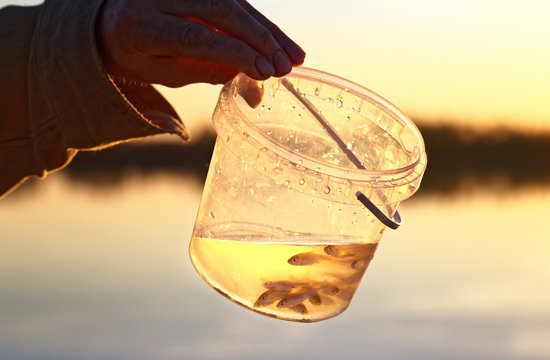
280 229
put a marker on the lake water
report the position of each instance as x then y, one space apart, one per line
103 273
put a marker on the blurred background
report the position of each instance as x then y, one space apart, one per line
93 259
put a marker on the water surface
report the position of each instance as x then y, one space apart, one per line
103 272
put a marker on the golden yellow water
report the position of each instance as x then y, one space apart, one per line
287 281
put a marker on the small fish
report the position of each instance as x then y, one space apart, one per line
282 285
305 259
352 280
315 300
327 301
300 309
296 298
270 296
345 295
347 251
330 290
358 264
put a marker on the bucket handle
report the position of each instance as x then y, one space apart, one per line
384 219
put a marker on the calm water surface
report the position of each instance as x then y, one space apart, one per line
103 273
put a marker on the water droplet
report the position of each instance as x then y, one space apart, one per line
348 118
211 214
339 103
317 91
327 190
302 181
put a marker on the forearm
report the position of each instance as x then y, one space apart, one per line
55 96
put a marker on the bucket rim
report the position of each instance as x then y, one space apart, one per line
229 105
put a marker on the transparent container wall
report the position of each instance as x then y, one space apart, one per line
279 218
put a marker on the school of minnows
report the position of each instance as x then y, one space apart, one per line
298 295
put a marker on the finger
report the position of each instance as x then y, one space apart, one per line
251 91
174 72
294 52
172 36
229 17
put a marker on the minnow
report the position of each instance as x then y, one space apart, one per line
345 251
315 300
270 296
345 295
327 301
352 280
330 290
296 299
282 285
300 309
304 259
358 264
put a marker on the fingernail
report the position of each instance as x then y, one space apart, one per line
263 67
295 53
281 62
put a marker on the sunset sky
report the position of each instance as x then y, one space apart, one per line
470 61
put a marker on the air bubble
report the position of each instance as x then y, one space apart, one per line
339 103
317 91
287 182
211 214
326 190
348 118
302 181
269 132
268 109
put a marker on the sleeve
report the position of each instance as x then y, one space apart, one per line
56 97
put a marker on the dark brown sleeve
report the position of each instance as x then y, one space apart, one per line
55 96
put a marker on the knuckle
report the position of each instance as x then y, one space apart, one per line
222 8
266 39
166 32
195 35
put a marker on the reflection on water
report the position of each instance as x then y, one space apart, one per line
93 274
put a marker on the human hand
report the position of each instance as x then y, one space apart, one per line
179 42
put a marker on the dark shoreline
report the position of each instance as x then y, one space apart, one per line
456 156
